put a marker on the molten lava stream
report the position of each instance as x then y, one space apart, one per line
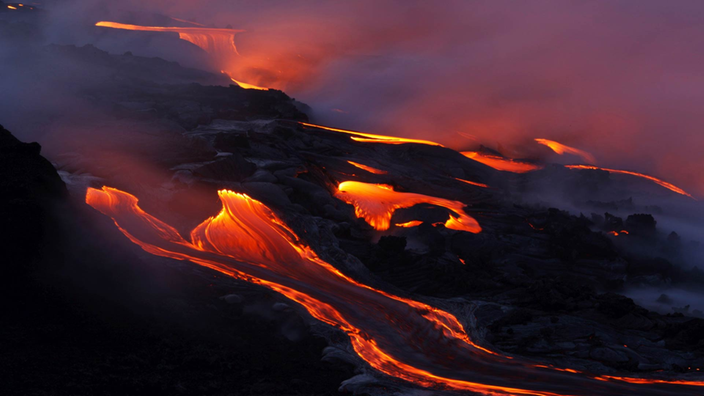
212 40
501 163
368 168
376 204
399 337
663 183
368 137
482 185
561 149
409 224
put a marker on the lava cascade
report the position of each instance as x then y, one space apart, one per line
218 43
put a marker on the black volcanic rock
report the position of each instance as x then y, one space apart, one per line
641 224
231 168
85 314
30 189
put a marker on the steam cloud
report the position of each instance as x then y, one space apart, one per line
615 78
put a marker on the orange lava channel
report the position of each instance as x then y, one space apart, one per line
665 184
376 203
211 40
473 183
368 168
501 163
561 149
409 224
368 137
247 241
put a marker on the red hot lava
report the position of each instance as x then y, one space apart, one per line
663 183
376 203
399 337
368 168
368 137
501 163
561 149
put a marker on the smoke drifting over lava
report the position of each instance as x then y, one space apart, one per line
404 198
619 81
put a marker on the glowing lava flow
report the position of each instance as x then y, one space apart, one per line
218 43
399 337
368 137
561 149
665 184
473 183
409 224
368 168
376 203
244 84
211 40
501 163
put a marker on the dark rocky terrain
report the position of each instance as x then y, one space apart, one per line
90 313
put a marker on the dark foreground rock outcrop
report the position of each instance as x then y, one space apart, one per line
85 314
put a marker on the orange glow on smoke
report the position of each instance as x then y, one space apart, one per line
376 203
368 168
473 183
665 184
247 241
561 149
501 163
368 137
11 7
409 224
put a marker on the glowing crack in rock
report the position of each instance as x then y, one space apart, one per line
368 168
